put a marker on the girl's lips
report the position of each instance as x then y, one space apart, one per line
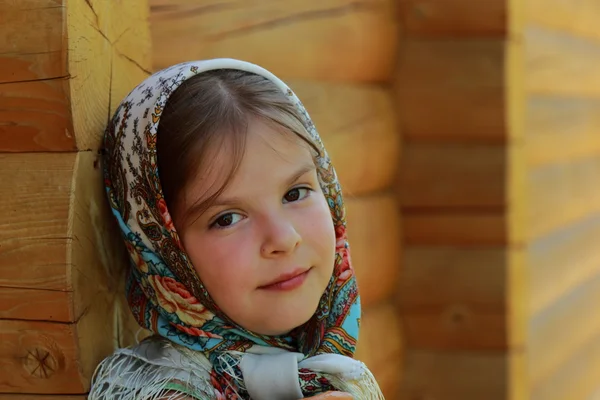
288 281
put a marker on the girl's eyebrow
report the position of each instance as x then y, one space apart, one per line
305 168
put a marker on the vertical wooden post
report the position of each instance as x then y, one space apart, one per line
64 66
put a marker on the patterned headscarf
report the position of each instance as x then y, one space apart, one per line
164 292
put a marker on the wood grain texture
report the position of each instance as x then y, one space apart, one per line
35 116
452 176
67 70
35 53
342 40
358 127
562 261
35 304
60 242
97 270
383 354
562 193
109 53
460 228
34 210
375 245
575 18
451 90
455 375
576 378
453 18
457 328
39 357
471 277
467 311
556 333
561 129
557 63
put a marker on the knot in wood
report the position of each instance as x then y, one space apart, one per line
457 316
40 363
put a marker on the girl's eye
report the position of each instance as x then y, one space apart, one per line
226 220
295 195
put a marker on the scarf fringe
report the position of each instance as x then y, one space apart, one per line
126 376
162 371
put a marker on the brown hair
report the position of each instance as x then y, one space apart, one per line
211 110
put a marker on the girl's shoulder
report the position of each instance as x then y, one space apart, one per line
152 367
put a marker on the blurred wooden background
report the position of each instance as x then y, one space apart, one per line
464 134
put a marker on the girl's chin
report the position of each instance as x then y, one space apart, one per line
279 328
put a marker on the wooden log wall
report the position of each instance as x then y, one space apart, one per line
63 68
493 244
452 187
499 287
339 56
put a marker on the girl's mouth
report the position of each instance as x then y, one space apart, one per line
288 281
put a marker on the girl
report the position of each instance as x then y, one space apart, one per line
234 222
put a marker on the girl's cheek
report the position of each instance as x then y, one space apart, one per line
230 258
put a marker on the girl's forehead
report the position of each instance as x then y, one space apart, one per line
268 156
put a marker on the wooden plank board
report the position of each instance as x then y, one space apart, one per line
34 209
557 63
561 194
57 358
97 270
35 53
455 375
69 211
340 40
452 176
453 18
576 378
558 331
461 228
468 310
358 126
69 68
382 354
562 261
576 18
35 116
39 357
469 276
456 327
452 90
375 245
109 53
377 350
561 129
35 304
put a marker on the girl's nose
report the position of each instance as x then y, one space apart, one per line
280 237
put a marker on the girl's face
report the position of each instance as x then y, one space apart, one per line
265 248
